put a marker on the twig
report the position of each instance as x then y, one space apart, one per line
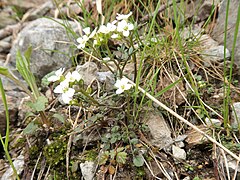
8 30
161 9
35 167
185 121
150 169
70 142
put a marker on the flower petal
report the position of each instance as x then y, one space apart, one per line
119 91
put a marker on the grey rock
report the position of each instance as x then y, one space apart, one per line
206 9
180 138
212 121
218 31
26 4
159 130
191 33
180 144
18 164
233 164
87 169
107 78
207 42
88 71
215 54
179 153
235 115
48 39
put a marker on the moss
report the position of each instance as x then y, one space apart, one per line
55 152
91 155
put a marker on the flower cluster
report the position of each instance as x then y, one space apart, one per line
65 86
115 30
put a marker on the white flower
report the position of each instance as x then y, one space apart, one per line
111 26
122 85
65 91
62 87
71 77
68 95
87 30
93 33
125 27
103 29
82 41
114 36
123 16
57 75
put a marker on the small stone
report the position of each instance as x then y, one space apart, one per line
26 4
159 130
87 169
215 54
18 164
195 138
211 122
233 164
179 153
180 138
180 144
207 42
88 71
107 78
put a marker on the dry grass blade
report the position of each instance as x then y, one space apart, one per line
185 121
70 140
35 167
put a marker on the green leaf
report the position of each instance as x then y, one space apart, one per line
39 105
120 149
103 158
31 128
138 161
59 117
121 157
45 81
27 54
134 141
167 88
112 154
113 139
4 71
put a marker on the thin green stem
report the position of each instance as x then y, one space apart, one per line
5 144
226 99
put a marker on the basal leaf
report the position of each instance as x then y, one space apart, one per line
39 105
121 157
59 117
31 128
138 161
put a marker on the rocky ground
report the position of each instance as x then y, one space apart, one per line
175 151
